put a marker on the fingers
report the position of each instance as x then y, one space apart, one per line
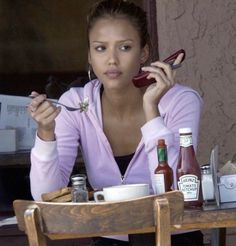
43 111
179 58
155 71
166 68
33 94
161 72
164 75
36 100
47 117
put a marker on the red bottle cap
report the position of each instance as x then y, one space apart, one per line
161 143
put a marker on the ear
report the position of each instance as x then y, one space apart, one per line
144 54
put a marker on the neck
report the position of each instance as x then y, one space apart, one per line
122 104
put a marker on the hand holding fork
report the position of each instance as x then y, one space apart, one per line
82 106
44 112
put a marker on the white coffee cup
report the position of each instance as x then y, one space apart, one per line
122 192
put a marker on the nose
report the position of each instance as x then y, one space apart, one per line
112 57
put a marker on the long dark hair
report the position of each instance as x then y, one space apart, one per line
117 8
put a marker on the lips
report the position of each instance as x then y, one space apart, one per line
112 74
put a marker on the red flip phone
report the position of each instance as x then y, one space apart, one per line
141 80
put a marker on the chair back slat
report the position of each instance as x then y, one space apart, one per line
34 227
70 220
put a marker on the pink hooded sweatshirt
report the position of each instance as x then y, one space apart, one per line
52 162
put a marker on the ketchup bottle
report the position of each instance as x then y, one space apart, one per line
163 174
188 171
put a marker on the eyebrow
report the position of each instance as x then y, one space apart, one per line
120 41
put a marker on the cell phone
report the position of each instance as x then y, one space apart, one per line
141 80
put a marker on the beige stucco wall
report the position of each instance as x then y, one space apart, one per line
206 29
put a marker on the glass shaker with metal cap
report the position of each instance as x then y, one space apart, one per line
79 190
207 182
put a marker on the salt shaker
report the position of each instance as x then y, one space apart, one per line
207 182
79 189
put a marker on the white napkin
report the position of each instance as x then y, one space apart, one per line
228 169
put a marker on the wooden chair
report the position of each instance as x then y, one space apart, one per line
153 213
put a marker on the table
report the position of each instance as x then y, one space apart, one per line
14 170
192 218
22 159
214 217
210 217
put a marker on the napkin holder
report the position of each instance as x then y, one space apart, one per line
214 167
227 188
225 185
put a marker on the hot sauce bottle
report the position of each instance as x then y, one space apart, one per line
188 171
163 174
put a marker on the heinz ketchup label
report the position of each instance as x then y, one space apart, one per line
189 184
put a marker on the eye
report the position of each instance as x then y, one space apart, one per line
100 48
125 47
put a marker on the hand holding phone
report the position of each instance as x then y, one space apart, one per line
141 80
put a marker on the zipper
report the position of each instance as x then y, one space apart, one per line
123 177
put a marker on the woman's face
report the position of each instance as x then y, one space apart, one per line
115 53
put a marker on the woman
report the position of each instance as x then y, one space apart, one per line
120 124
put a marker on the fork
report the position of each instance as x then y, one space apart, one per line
83 106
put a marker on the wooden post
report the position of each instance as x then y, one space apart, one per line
33 227
162 222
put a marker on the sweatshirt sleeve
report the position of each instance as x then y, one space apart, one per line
52 162
44 175
183 110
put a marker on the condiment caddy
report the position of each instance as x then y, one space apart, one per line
225 185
